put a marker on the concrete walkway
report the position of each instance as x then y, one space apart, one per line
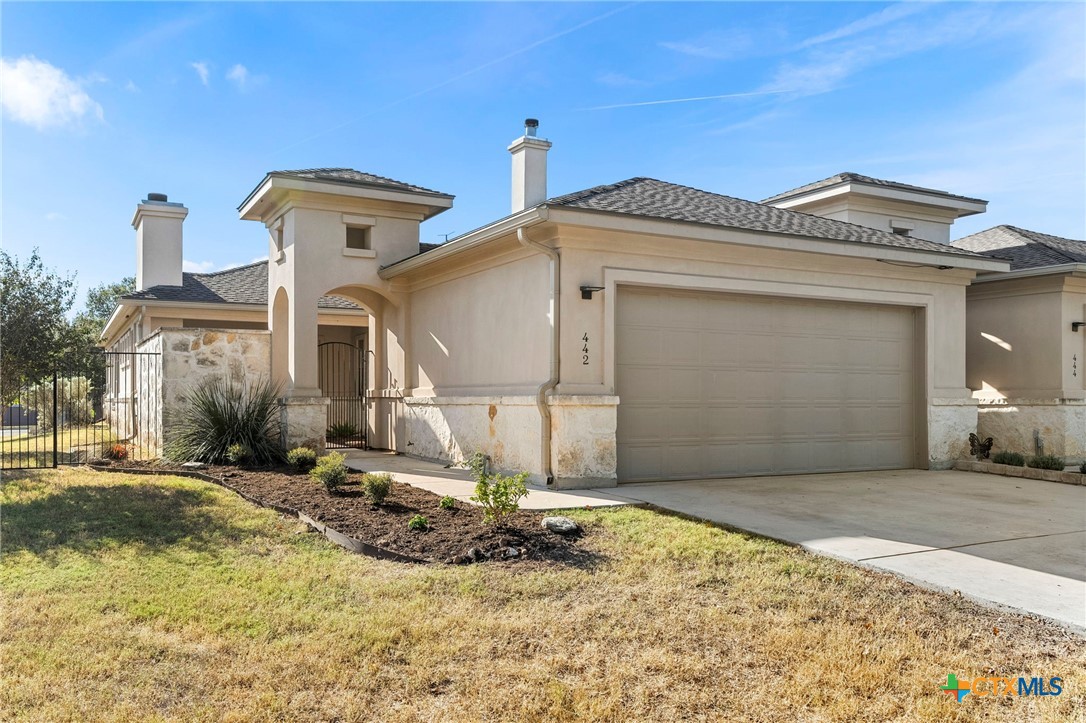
1016 542
458 483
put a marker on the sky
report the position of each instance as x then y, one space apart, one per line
103 103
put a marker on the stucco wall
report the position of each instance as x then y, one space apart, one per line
149 397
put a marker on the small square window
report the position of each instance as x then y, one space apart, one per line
903 231
358 237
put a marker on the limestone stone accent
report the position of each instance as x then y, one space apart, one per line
148 388
1009 470
583 447
950 421
451 429
192 356
303 421
1061 424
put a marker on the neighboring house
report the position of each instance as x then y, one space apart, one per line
1025 346
641 330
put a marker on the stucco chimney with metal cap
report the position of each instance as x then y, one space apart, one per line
529 167
158 241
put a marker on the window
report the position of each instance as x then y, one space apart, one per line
902 231
358 237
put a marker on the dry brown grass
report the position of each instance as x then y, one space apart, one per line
134 598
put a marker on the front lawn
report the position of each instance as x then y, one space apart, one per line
147 598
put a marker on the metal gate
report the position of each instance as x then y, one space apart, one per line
77 412
343 382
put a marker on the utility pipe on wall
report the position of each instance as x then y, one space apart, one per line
541 394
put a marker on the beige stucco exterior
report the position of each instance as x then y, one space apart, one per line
1025 360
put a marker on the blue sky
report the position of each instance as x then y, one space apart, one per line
105 102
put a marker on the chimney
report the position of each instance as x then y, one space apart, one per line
529 167
158 241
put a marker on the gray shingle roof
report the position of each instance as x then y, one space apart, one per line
355 178
1023 248
239 285
846 177
657 199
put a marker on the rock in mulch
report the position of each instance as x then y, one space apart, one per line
561 525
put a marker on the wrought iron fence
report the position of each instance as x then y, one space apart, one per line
94 408
342 370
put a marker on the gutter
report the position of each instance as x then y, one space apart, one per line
552 382
1026 273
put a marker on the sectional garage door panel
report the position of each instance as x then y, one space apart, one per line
717 385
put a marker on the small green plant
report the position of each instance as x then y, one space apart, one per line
342 430
418 523
330 471
302 459
238 454
376 486
498 495
447 503
1012 458
117 452
1046 461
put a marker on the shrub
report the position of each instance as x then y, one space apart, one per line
498 495
220 413
1082 468
1012 458
1046 461
302 459
238 454
418 523
341 430
330 471
447 503
117 451
376 486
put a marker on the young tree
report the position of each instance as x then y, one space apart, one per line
34 302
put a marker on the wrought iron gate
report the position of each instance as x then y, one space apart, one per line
343 382
79 411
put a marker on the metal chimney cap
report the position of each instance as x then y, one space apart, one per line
530 125
159 197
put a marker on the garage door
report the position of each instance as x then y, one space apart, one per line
720 385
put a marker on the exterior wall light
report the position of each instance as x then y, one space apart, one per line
587 291
1074 324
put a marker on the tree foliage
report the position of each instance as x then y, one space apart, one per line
34 328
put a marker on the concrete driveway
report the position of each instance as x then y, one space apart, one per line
1011 541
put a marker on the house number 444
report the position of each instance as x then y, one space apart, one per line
584 349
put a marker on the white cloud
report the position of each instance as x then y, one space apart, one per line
198 267
42 95
259 258
239 74
131 87
618 80
202 69
715 45
868 22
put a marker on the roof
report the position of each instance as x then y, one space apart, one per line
355 178
239 285
1024 249
846 177
658 199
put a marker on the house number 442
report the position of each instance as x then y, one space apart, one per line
584 349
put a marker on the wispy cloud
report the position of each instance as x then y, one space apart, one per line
131 87
715 45
239 75
203 70
198 267
695 99
618 80
55 216
460 76
868 22
43 96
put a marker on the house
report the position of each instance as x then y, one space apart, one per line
1025 342
640 330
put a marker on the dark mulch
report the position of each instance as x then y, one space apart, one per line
458 535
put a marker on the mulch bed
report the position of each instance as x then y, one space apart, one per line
456 536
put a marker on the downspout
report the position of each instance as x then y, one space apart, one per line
552 382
